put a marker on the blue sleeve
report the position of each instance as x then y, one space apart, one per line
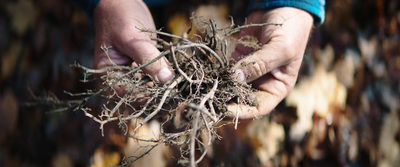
315 7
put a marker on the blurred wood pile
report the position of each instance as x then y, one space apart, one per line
344 110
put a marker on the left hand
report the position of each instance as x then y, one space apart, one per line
274 68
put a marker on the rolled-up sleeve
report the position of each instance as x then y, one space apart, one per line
315 7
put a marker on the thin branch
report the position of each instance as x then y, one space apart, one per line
105 48
164 34
177 66
209 142
237 29
192 140
160 105
102 70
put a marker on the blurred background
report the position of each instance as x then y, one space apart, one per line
344 110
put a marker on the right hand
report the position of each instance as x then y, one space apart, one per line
273 69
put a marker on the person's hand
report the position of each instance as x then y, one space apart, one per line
273 69
116 24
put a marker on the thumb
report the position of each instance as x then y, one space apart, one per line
144 52
259 63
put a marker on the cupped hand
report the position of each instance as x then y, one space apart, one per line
273 69
116 25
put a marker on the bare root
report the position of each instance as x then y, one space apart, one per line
194 101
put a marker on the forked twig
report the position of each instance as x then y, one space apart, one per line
160 105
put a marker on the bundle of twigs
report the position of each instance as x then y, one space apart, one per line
195 100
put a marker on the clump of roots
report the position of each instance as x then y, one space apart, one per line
195 100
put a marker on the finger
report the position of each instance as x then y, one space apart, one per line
279 81
273 88
108 57
140 75
271 56
265 103
143 52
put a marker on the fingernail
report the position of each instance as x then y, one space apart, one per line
275 71
164 75
239 75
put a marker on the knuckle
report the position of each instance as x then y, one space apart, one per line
254 68
259 68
